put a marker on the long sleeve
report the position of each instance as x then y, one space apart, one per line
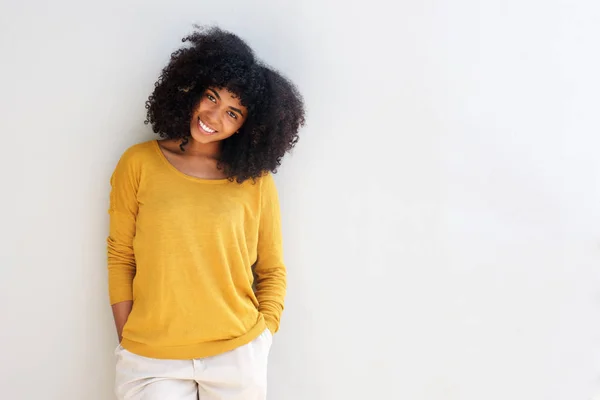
123 212
270 269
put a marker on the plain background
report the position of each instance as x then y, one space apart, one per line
441 211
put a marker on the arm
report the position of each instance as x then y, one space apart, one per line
121 313
270 269
121 260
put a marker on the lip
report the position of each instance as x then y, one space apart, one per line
200 122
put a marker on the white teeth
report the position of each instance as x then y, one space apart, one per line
205 127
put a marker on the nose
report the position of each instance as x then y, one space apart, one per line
212 116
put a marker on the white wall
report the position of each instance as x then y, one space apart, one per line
441 211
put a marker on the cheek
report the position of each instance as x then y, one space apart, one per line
231 125
200 106
239 122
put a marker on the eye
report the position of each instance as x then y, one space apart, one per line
232 114
211 98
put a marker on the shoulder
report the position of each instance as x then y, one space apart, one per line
267 184
140 150
138 154
266 179
133 159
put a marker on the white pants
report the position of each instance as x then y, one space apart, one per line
240 374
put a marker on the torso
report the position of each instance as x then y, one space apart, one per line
196 165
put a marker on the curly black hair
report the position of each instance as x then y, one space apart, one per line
217 58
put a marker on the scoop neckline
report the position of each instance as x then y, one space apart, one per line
184 175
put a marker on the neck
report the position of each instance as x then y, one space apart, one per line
195 148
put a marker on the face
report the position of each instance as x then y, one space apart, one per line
217 116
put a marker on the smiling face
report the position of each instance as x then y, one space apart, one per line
217 116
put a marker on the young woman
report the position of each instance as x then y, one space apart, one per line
196 273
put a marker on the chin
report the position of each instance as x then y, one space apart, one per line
203 138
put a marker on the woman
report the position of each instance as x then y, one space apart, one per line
196 273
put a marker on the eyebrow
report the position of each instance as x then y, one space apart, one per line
233 108
216 94
237 110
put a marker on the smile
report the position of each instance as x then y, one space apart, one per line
205 128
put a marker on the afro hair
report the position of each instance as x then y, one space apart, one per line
217 58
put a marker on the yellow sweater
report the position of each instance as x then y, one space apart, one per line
184 250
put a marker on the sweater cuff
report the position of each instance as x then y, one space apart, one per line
118 296
271 324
